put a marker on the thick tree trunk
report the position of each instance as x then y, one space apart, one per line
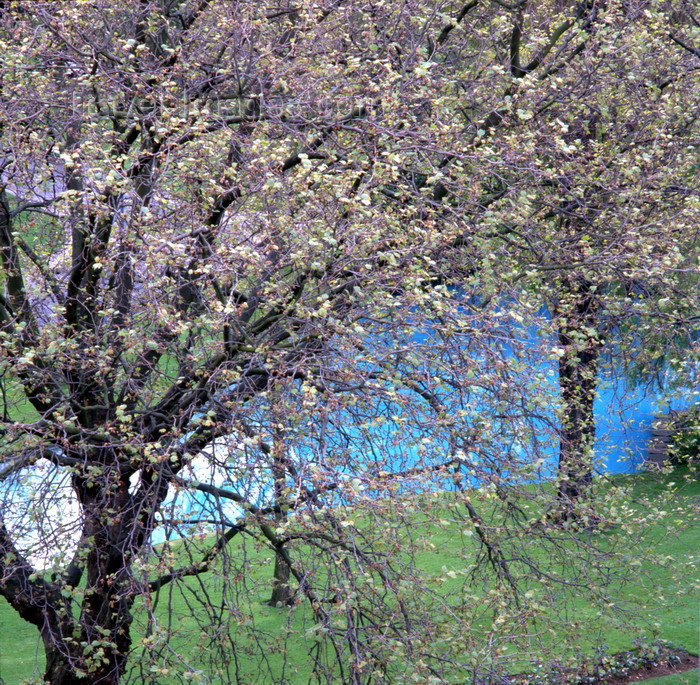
100 653
58 669
62 669
94 648
578 380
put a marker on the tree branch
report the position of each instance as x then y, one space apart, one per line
203 565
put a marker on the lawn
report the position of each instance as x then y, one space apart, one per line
687 678
672 615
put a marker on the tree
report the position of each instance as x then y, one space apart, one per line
620 198
592 163
292 230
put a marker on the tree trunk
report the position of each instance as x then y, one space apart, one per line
578 380
65 668
58 670
95 648
281 592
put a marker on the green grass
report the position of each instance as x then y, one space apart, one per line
675 539
20 650
687 678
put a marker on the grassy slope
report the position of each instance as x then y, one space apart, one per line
679 579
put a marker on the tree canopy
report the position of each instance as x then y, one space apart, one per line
309 245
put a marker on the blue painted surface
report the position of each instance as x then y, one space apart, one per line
624 414
624 417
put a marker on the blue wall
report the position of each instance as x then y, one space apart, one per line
624 416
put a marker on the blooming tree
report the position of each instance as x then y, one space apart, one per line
313 234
